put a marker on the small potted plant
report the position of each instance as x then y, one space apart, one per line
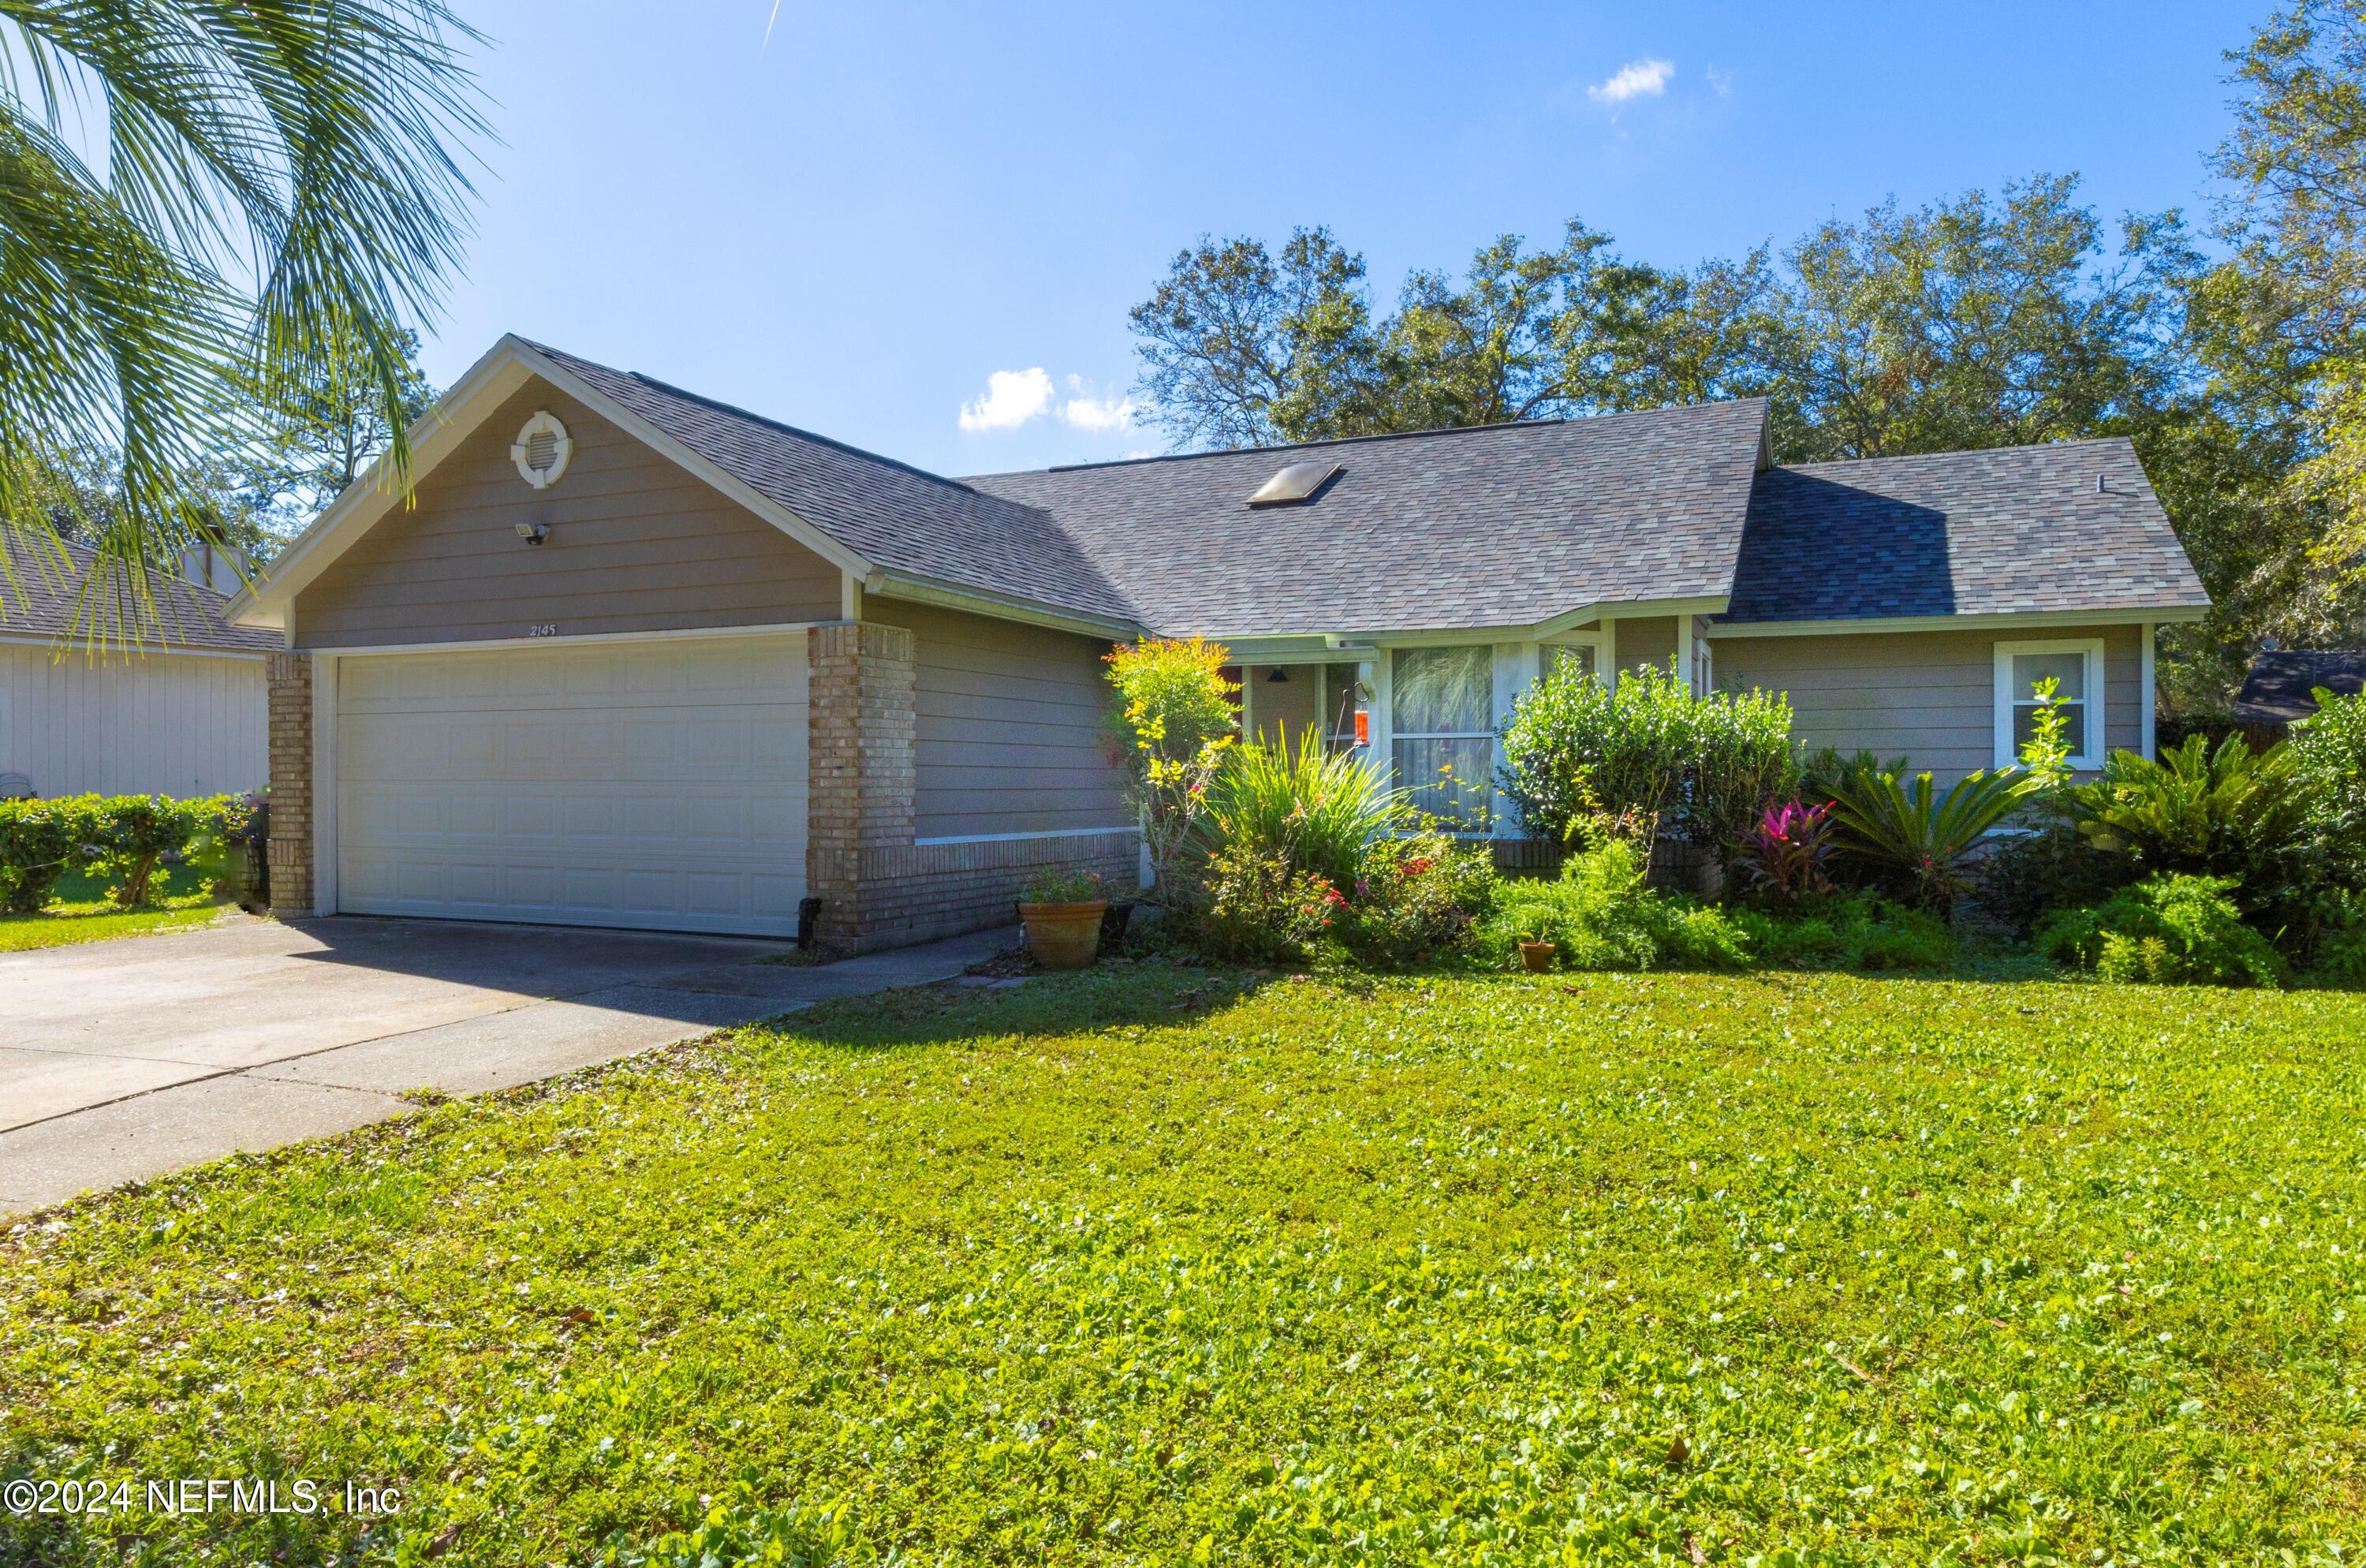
1062 909
1537 951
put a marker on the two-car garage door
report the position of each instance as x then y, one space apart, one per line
658 784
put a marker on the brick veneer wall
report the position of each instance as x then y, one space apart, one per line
878 887
289 850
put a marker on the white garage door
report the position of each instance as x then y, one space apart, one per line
655 784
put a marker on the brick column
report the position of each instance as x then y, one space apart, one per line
859 784
290 850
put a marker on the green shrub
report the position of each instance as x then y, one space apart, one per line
2329 759
1298 800
1848 931
2341 953
120 838
2046 865
2226 811
1913 840
41 841
1600 914
2169 928
1703 766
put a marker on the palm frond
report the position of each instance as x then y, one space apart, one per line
280 190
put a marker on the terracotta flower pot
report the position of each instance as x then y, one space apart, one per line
1535 957
1064 936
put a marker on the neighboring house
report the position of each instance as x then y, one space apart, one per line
2281 688
631 657
168 698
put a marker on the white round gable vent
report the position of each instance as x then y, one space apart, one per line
541 451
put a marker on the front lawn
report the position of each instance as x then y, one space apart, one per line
1183 1267
61 924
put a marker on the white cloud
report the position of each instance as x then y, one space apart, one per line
1636 79
1099 413
1720 80
1013 397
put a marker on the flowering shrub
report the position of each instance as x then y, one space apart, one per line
1413 899
1262 911
1175 721
1785 855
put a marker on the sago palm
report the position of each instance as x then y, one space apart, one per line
201 206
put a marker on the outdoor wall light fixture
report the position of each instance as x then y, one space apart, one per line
534 533
1279 678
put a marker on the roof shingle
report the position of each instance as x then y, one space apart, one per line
1498 525
48 600
2011 530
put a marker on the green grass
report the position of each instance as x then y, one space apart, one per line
1173 1267
83 912
61 924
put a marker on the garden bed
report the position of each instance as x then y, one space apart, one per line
1156 1263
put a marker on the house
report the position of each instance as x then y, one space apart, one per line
633 657
2280 688
169 697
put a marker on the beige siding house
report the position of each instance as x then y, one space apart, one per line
100 695
630 657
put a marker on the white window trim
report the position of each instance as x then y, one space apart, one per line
2090 753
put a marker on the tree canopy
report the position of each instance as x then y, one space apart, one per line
2234 357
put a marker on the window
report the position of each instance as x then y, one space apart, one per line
2077 667
1554 655
1442 708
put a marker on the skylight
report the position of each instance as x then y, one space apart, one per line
1297 483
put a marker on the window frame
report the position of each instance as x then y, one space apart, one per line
2090 748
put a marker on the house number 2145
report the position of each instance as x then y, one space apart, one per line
543 629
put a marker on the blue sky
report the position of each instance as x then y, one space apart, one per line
856 225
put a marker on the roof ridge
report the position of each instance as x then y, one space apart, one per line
1961 452
1521 424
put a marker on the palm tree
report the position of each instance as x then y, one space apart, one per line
203 205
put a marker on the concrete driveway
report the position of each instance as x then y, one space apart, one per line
124 1059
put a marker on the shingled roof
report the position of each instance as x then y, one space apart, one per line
1497 526
2281 685
1506 525
2013 530
50 599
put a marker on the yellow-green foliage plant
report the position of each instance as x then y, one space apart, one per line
1175 721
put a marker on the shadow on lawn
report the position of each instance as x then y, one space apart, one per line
1145 995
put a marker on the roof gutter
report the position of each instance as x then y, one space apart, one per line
2029 620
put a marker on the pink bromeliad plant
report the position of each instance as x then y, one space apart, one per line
1785 852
